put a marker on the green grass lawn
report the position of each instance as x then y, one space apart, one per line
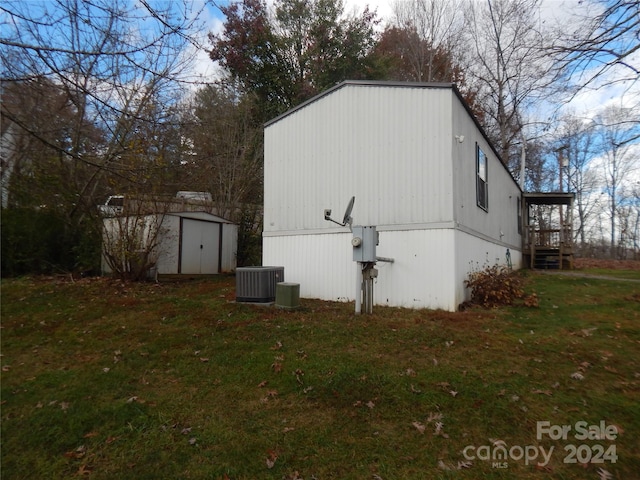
107 380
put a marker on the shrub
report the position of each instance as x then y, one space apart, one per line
495 286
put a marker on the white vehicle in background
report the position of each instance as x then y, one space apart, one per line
195 196
113 206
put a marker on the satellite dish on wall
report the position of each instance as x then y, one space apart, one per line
347 213
346 220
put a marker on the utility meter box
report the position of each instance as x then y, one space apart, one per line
364 243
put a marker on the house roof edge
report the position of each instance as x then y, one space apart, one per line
361 83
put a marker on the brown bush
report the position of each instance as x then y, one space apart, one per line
496 286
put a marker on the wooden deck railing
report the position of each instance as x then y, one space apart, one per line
551 237
543 240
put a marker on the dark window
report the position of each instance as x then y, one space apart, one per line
482 189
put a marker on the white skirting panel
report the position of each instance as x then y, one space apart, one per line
422 275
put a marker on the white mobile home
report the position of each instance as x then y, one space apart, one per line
188 243
422 171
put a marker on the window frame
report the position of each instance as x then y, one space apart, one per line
482 184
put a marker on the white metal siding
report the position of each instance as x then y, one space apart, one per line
499 223
390 147
394 149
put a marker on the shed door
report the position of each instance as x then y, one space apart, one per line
200 247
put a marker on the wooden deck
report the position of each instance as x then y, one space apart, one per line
548 248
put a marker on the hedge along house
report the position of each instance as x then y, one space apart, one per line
422 171
174 243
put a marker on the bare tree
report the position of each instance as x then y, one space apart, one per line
618 162
118 68
599 45
110 58
433 26
511 70
132 239
226 158
577 140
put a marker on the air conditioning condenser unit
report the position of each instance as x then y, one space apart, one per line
258 284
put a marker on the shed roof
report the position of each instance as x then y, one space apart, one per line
205 216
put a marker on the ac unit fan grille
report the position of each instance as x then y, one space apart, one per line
258 284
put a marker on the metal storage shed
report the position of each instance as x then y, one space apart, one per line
189 243
422 171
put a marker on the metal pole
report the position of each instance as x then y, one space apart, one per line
368 287
369 293
358 288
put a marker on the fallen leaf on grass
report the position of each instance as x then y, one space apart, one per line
604 474
459 466
419 426
577 376
77 453
271 459
204 360
84 470
439 426
262 384
584 365
453 393
434 416
548 393
271 394
544 468
587 332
